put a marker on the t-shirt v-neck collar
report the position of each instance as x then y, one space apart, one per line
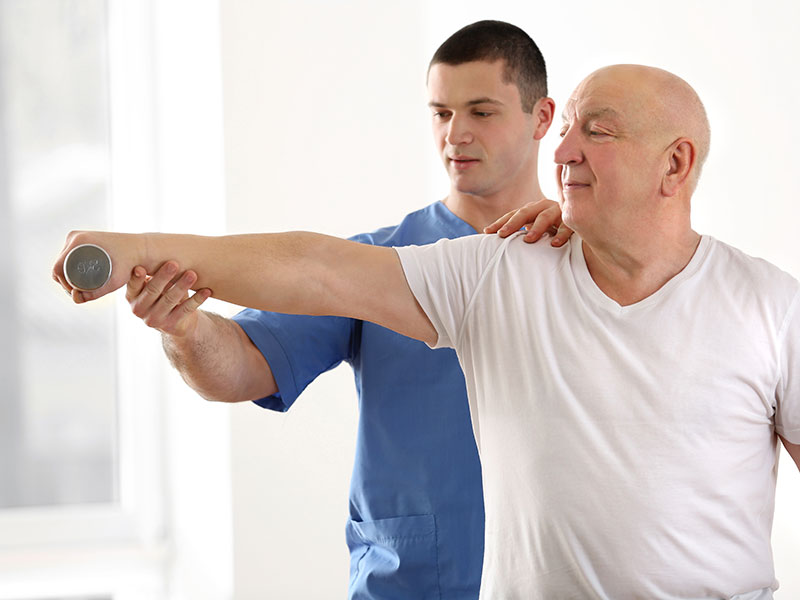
595 295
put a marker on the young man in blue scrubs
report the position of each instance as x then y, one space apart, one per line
416 525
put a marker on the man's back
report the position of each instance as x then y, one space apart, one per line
632 454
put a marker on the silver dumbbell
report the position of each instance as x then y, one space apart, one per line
87 267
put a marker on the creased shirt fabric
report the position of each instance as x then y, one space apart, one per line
627 451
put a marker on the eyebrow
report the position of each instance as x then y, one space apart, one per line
475 102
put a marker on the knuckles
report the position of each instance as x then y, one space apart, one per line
152 289
170 300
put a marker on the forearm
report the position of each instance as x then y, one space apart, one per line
219 362
284 272
263 271
299 273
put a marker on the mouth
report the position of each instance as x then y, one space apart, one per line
461 163
571 186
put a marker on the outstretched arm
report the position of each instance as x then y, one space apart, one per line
299 273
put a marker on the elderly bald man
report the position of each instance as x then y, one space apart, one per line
627 391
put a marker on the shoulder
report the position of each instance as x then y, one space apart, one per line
755 285
481 252
472 247
423 226
759 275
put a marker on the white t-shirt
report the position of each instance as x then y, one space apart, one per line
627 452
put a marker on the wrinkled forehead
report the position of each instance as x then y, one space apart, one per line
600 95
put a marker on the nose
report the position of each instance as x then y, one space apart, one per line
458 131
568 151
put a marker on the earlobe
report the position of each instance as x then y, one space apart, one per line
681 160
543 112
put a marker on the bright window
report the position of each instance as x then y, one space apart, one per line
58 444
82 498
113 474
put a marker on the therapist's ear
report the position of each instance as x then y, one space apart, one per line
543 112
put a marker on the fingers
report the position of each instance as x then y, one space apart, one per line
181 318
150 291
517 219
163 301
135 283
74 240
58 277
192 303
538 218
547 221
561 236
497 225
58 267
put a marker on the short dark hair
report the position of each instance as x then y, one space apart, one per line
495 40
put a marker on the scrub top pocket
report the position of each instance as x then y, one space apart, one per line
393 559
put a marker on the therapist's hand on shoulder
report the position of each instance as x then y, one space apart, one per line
163 301
538 218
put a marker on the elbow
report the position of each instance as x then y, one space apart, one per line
216 397
227 396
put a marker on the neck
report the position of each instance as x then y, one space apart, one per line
630 268
482 210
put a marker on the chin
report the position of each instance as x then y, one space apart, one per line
470 190
570 217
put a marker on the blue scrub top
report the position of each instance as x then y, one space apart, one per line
416 504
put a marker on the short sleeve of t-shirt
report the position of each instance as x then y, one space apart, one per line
299 348
445 276
787 418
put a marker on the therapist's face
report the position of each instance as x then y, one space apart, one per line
486 141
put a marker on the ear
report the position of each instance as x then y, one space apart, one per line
543 112
681 159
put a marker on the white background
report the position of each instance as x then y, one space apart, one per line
326 129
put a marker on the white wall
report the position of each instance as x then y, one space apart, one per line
326 130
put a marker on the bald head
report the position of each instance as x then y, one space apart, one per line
634 139
665 105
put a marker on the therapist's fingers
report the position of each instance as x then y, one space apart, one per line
152 289
158 315
499 223
547 221
135 283
183 318
562 235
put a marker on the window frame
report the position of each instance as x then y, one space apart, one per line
155 542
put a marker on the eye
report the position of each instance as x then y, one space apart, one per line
441 115
480 113
596 130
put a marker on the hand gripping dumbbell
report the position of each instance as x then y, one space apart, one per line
87 267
